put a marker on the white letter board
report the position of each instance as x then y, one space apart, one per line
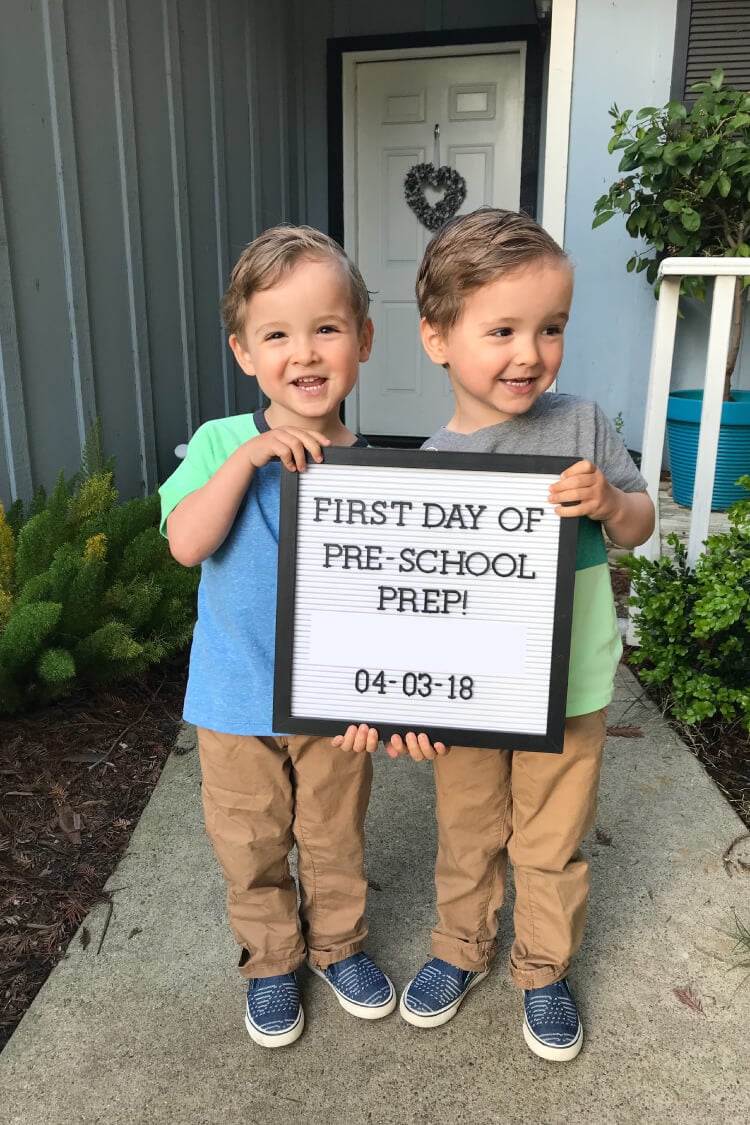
425 591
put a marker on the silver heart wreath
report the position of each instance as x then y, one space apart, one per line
427 175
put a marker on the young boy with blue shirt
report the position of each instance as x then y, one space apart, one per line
296 313
494 293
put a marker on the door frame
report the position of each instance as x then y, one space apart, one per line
554 88
343 56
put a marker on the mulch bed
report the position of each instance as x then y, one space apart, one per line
74 779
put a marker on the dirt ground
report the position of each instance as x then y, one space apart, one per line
74 779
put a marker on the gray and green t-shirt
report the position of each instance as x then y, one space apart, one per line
566 426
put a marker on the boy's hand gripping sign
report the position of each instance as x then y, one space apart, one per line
425 591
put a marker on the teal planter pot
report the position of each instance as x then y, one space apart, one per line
733 459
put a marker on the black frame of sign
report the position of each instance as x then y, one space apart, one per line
411 459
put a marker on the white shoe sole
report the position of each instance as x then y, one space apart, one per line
417 1020
552 1054
361 1011
283 1039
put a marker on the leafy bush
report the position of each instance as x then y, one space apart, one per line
685 186
89 592
694 625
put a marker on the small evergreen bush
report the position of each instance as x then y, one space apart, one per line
89 592
694 625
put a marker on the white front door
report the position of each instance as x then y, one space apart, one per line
477 103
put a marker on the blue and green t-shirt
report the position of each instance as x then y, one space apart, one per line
230 683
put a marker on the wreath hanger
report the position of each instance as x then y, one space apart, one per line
436 176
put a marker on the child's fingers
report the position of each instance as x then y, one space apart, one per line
428 750
579 469
291 452
313 443
394 747
299 453
345 741
295 444
419 747
365 739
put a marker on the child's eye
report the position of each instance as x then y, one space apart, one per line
326 328
553 330
274 336
502 332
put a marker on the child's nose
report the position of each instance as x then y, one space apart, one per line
304 349
527 351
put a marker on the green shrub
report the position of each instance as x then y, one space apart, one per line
89 592
694 624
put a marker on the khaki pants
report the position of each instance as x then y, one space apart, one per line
536 809
261 796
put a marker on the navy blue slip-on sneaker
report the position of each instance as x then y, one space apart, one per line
273 1014
361 987
435 994
551 1026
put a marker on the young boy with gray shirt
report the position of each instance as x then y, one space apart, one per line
494 293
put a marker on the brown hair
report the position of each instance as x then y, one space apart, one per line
274 253
472 250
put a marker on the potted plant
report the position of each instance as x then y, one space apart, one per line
685 190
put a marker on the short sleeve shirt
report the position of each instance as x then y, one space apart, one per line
567 426
230 683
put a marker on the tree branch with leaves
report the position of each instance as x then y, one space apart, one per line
685 187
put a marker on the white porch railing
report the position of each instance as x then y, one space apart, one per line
671 271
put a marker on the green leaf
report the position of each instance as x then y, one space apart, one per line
690 219
724 184
708 185
672 205
631 265
676 236
717 78
602 217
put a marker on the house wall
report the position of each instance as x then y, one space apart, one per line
144 142
130 178
608 342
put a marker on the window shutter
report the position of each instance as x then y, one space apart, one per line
718 35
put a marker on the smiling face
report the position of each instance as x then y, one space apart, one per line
302 343
506 347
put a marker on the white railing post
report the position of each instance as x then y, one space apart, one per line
713 398
671 271
660 373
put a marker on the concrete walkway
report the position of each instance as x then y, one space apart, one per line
149 1029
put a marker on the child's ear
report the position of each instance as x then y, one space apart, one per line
241 354
365 340
433 342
